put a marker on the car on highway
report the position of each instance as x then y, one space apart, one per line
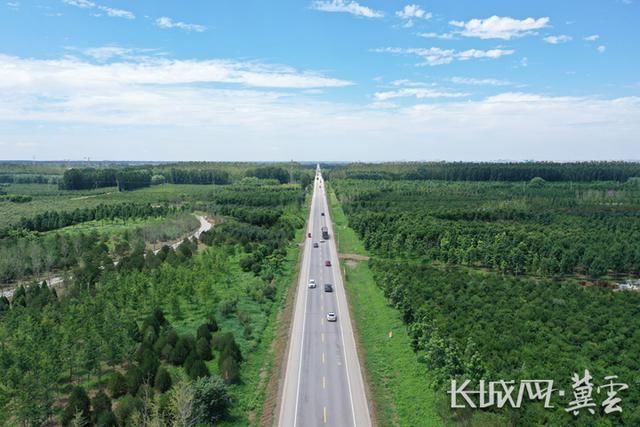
315 244
312 283
332 317
322 213
328 287
321 241
309 235
327 263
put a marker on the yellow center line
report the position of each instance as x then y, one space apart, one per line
325 414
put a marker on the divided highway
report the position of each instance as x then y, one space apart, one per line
323 384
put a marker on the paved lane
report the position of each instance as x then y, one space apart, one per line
323 383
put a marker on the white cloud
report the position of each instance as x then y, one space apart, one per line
72 74
106 53
14 5
168 23
601 49
419 93
444 36
497 27
411 12
524 62
86 4
437 56
170 123
592 38
117 13
410 83
479 82
558 39
343 6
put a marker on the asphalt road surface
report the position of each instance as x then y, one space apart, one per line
323 384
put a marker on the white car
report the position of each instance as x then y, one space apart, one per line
312 283
331 317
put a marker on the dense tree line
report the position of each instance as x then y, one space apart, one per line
88 178
53 220
132 179
553 230
197 176
463 171
126 179
15 198
28 179
270 172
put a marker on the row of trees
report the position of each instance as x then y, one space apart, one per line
551 230
464 171
131 178
29 179
53 220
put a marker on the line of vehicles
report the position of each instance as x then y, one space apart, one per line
328 287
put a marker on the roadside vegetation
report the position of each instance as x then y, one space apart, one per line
402 395
133 337
504 280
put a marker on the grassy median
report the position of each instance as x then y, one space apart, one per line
399 384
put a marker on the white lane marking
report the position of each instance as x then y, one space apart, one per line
304 318
346 363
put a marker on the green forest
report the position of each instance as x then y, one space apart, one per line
130 336
508 279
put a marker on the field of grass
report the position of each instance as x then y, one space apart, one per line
399 383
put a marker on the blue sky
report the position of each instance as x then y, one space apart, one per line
319 80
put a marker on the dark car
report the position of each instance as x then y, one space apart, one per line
315 245
327 263
309 235
322 213
328 287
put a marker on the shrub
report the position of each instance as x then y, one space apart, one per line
101 404
212 323
107 419
184 346
204 332
78 402
198 369
163 380
134 379
203 348
127 406
117 385
211 401
230 370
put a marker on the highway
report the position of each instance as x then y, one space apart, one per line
323 384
